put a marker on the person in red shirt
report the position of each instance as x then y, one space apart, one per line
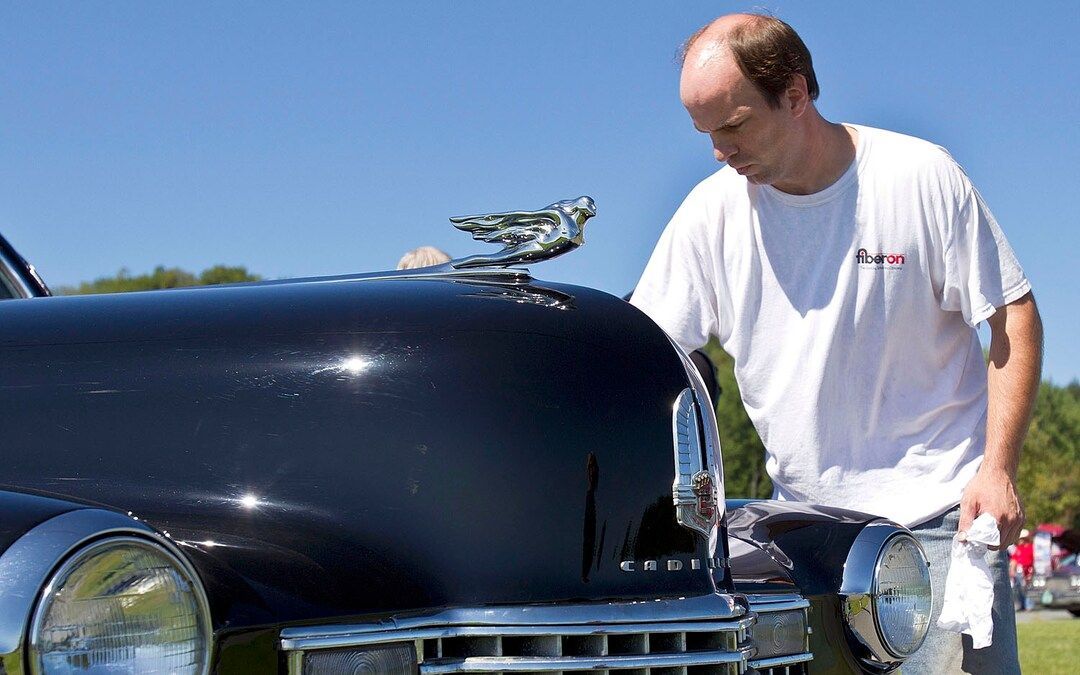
1021 566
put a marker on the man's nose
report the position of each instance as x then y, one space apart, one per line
723 151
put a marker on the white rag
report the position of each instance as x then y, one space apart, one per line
969 588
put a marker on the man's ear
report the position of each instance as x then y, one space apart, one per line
796 98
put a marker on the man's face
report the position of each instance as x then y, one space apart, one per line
751 137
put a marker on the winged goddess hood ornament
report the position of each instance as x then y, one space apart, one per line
527 236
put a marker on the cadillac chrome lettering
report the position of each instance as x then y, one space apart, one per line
671 565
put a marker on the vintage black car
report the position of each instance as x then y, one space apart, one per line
452 469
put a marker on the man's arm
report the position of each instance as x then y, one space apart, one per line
1013 375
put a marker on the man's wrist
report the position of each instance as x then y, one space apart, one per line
999 467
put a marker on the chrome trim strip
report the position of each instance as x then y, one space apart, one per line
713 454
713 607
695 499
510 275
862 559
763 603
781 660
13 279
32 271
158 544
446 271
491 664
26 565
357 639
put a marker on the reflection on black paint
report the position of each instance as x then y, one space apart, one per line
600 546
532 295
588 534
627 543
656 537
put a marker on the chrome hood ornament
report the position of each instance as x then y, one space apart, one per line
527 236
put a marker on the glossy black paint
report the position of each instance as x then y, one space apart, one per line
253 651
21 512
320 452
780 547
817 537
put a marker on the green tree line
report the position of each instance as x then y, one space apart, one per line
1049 477
161 277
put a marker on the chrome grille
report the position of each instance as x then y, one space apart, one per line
679 648
704 635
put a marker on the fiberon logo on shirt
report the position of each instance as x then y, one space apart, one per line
879 260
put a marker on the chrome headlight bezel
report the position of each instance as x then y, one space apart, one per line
858 595
80 555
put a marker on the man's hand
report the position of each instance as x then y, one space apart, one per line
993 492
1013 379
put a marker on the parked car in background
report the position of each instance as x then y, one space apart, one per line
452 469
1061 588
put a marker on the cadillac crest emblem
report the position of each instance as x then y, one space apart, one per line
706 499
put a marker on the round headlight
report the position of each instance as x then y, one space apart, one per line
886 595
902 595
122 604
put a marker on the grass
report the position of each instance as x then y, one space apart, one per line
1049 646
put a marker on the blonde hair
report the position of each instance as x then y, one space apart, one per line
425 256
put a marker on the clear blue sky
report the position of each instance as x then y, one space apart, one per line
312 138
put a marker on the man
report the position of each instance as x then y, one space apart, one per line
844 269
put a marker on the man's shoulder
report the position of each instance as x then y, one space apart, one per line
896 150
720 183
717 190
703 211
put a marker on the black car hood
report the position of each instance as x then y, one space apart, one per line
330 450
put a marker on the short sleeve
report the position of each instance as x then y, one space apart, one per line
981 270
675 289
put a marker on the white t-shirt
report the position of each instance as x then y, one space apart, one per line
850 315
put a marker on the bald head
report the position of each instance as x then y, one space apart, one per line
709 41
764 50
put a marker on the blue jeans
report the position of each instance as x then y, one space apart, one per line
947 652
1020 591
